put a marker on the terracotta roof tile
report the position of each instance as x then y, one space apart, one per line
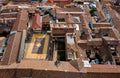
21 21
96 41
43 65
50 1
46 18
103 68
11 53
36 23
68 10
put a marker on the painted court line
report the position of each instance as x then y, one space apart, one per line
45 48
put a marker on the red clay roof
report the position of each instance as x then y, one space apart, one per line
104 68
42 65
46 18
62 0
51 1
58 1
36 22
21 21
11 53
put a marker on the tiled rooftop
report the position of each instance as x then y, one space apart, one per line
12 50
21 21
91 46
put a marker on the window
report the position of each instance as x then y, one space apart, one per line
76 19
71 56
61 20
104 34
